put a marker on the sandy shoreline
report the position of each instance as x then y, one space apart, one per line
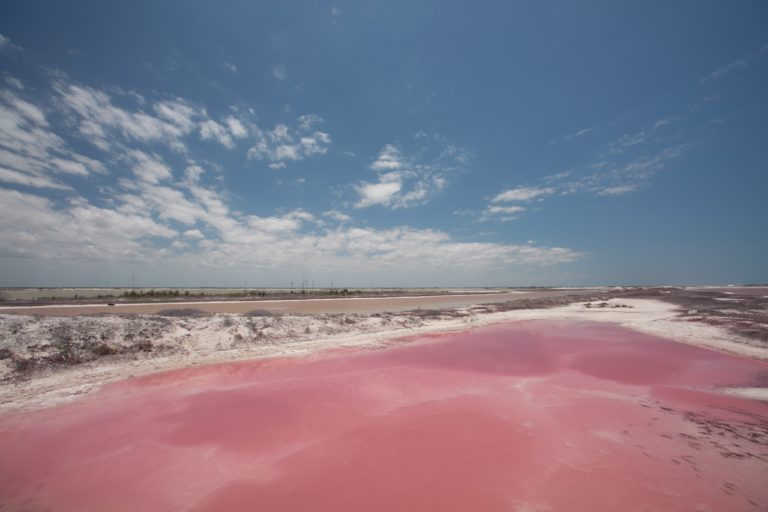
225 338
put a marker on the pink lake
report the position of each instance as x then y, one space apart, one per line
529 416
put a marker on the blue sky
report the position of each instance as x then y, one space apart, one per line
394 143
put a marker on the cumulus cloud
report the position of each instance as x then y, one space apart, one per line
32 227
337 216
308 121
166 208
31 154
104 123
210 129
389 158
383 192
137 229
149 168
100 121
406 180
236 127
284 144
194 233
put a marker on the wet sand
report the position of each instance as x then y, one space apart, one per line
525 416
361 305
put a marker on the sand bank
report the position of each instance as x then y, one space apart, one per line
185 342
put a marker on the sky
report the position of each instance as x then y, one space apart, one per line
397 143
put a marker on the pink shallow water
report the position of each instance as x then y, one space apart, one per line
530 416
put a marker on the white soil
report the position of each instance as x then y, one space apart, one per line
223 337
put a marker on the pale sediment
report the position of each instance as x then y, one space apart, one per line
128 346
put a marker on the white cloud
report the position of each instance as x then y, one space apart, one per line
279 72
389 159
665 121
337 216
401 249
523 194
383 192
501 213
14 82
613 179
29 111
611 175
409 180
627 141
6 44
282 224
29 180
69 167
288 152
30 153
388 191
194 233
230 67
283 144
236 127
739 63
617 190
32 227
645 166
315 144
554 178
308 121
577 134
210 129
103 123
179 112
508 210
149 168
170 204
141 218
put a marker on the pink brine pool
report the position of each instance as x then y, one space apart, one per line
531 416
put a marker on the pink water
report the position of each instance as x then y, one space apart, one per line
532 416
